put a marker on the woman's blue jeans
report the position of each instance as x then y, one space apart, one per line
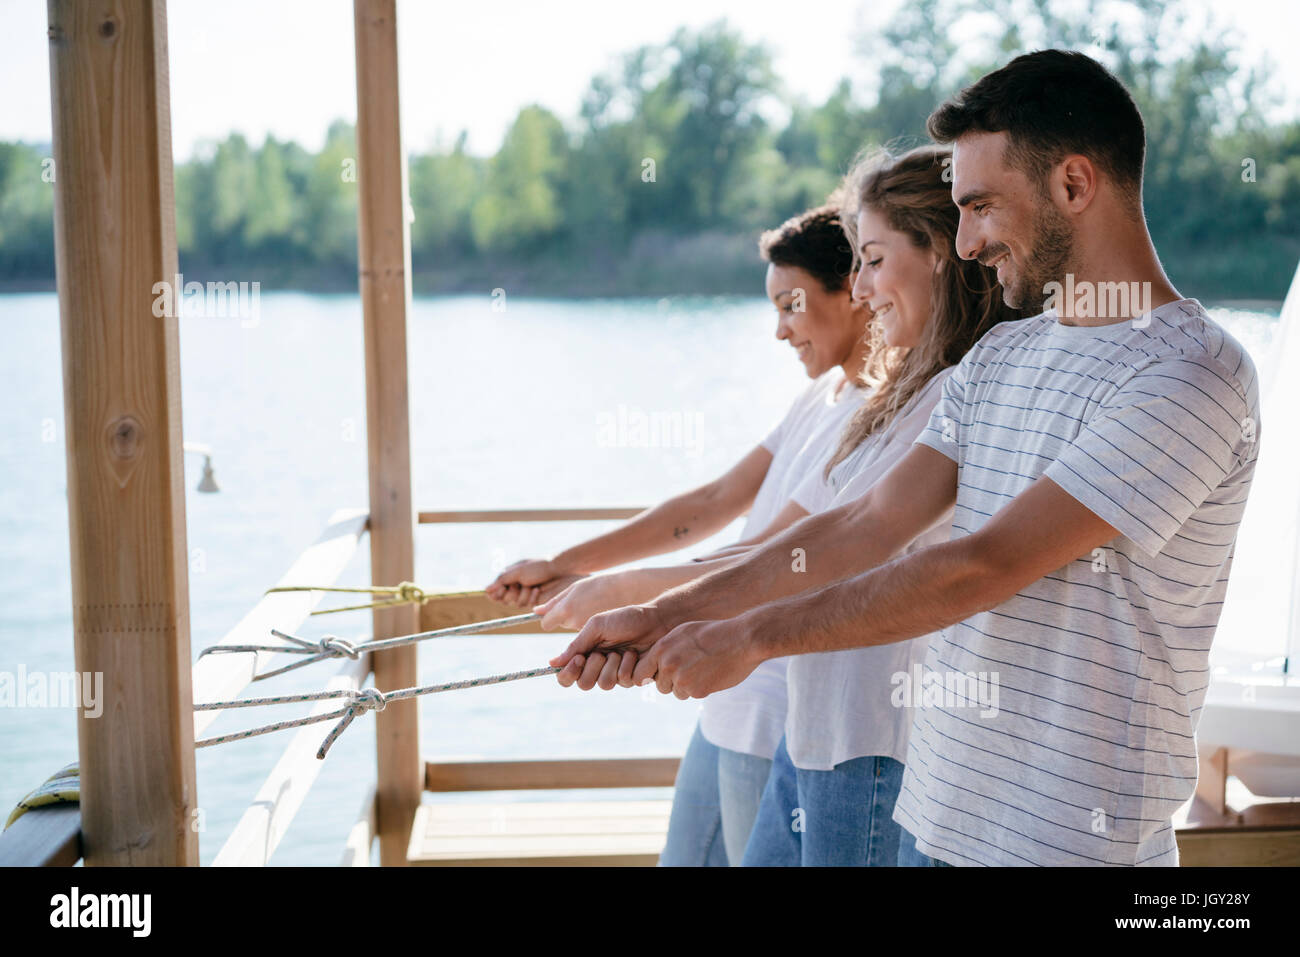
715 801
837 818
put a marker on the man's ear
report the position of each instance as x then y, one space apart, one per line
1078 178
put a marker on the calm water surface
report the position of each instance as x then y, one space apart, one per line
512 408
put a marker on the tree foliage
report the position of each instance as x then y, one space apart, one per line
681 148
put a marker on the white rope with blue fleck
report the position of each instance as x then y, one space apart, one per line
331 646
365 699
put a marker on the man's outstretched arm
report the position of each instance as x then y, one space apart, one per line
1041 530
909 499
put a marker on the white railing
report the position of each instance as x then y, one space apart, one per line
52 836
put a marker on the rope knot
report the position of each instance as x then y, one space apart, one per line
369 699
334 645
410 592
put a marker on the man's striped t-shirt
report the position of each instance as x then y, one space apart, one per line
1099 669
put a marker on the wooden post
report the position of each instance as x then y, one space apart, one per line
1212 781
384 260
114 239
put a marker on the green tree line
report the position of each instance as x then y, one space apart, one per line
675 162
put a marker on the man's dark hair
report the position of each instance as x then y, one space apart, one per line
1051 103
814 242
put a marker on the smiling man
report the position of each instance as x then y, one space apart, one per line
1098 456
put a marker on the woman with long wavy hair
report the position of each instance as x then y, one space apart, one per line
834 779
840 765
724 771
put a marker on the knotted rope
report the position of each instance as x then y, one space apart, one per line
331 646
365 699
407 593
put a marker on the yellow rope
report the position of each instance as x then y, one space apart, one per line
407 593
63 787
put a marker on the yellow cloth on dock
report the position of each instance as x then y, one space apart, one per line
64 787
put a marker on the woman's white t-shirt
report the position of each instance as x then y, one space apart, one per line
841 702
750 717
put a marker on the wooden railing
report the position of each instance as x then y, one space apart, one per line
51 836
218 677
221 676
356 850
262 826
460 611
527 775
529 515
43 837
444 613
550 775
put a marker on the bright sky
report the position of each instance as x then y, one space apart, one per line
286 66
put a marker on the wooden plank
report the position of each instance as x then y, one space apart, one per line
221 677
356 850
1212 780
550 834
529 515
534 820
43 837
542 775
644 855
1259 813
261 828
446 612
114 243
1239 847
545 811
549 845
384 276
1234 827
552 846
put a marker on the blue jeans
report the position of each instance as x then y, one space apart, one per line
837 818
715 800
909 856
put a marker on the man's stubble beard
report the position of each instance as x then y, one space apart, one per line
1052 250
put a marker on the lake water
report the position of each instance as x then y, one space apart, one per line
533 405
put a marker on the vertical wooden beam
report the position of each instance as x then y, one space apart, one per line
1212 781
114 239
384 260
